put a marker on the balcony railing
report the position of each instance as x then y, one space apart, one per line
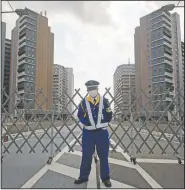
23 44
167 38
21 80
168 80
168 56
21 57
168 51
21 91
22 39
21 74
168 74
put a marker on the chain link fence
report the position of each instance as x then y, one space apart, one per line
151 127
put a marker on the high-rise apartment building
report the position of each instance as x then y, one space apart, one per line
6 80
154 60
32 61
63 82
178 65
3 38
182 48
124 89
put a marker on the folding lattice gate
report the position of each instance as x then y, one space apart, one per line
143 129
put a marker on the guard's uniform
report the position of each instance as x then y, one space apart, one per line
95 134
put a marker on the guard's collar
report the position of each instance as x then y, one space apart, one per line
90 99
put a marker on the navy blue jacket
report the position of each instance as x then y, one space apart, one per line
83 115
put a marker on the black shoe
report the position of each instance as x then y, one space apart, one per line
107 183
79 181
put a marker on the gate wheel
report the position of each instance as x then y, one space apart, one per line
49 160
132 159
179 161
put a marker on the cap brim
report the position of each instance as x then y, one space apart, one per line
89 88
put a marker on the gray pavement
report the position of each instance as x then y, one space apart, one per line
123 174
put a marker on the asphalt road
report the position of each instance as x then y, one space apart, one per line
27 164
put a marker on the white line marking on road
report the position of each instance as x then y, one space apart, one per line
29 184
92 177
116 184
142 172
147 177
111 160
92 183
121 163
157 161
39 174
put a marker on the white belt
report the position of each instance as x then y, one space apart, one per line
101 125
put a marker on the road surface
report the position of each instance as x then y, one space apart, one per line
30 170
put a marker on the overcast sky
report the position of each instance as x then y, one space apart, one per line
91 37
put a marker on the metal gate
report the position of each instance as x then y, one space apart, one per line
152 125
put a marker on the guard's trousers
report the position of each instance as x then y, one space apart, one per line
90 139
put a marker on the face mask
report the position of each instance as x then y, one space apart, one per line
93 93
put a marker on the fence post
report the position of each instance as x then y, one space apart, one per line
51 147
133 154
181 155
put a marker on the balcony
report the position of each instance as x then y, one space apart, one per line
165 32
167 38
31 28
22 22
167 21
20 69
166 25
22 35
164 13
21 86
169 99
168 69
166 44
168 62
168 57
21 91
23 44
171 93
22 39
21 62
168 51
21 57
26 16
21 80
168 74
168 80
170 87
22 28
21 52
21 74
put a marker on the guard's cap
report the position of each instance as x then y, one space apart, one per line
92 84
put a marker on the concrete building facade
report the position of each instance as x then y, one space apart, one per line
32 61
3 38
124 82
154 60
178 65
63 82
6 80
182 48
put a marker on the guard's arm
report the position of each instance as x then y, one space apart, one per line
107 112
82 115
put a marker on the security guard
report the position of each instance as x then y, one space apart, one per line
94 113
